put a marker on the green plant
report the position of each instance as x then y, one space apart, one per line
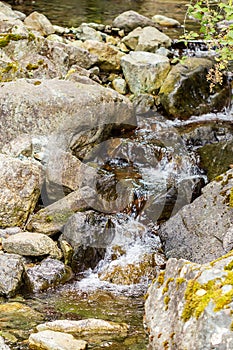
216 29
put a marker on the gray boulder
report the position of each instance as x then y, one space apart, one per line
49 273
73 114
189 306
146 39
201 231
53 217
11 274
186 90
20 189
144 71
130 20
51 340
31 244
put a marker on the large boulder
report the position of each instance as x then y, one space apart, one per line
31 244
146 39
11 274
73 114
144 71
201 231
186 90
189 306
130 20
20 189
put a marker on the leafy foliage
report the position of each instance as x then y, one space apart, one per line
216 28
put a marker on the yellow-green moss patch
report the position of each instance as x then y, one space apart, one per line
6 38
160 278
231 198
179 281
169 280
198 296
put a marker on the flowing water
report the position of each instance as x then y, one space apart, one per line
159 163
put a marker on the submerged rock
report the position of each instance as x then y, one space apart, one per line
186 90
85 327
49 340
198 231
49 273
11 274
144 71
31 244
189 306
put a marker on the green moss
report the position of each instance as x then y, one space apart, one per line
219 178
198 296
59 217
160 278
34 66
169 280
229 266
231 327
166 301
231 198
6 38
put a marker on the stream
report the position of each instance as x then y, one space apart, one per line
163 163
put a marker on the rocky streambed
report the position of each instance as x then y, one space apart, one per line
106 151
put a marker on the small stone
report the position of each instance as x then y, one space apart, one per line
165 21
39 22
119 85
49 340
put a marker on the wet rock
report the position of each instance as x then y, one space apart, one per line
40 23
144 71
89 234
31 244
49 340
73 114
133 273
143 103
11 274
47 274
6 10
53 217
186 91
130 20
108 55
198 230
17 319
165 21
3 346
190 306
84 327
146 39
20 189
216 158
